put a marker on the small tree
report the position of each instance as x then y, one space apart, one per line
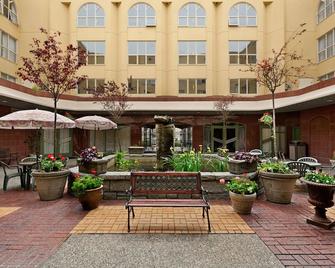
114 99
222 106
52 69
282 67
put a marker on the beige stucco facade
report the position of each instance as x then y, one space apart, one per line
276 20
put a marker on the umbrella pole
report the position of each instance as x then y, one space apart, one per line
95 136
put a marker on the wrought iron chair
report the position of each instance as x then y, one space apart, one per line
300 167
307 159
256 152
7 176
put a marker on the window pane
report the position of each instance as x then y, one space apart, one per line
100 47
233 85
243 21
141 59
132 48
201 21
151 86
201 47
191 22
243 86
83 11
201 86
91 21
100 21
182 86
252 86
242 47
251 47
132 59
151 48
252 21
191 59
182 21
132 21
233 11
141 48
182 46
150 59
251 12
132 11
191 10
150 11
91 59
182 59
91 10
81 21
191 86
242 59
200 11
233 59
201 59
233 47
141 86
242 9
252 59
100 59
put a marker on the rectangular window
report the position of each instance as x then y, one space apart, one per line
95 51
7 47
327 76
87 86
8 77
242 52
141 52
141 86
326 46
243 86
192 86
192 52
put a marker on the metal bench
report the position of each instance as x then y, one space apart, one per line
144 184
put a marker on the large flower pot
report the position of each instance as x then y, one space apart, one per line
98 165
242 204
50 185
91 198
241 166
278 188
320 196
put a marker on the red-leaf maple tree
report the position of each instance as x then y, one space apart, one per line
52 68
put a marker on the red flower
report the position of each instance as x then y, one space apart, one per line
62 158
50 156
93 172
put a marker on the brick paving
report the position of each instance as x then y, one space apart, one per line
32 230
113 219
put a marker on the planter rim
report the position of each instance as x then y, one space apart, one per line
280 175
96 160
317 184
51 173
98 188
247 195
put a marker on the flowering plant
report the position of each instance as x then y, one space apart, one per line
322 178
242 186
266 119
51 163
87 182
246 157
88 154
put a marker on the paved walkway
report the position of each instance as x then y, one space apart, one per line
33 231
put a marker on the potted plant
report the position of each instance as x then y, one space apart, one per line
89 160
88 189
51 178
243 162
278 181
321 188
242 193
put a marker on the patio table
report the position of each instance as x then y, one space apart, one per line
26 170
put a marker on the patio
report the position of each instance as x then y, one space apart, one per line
52 234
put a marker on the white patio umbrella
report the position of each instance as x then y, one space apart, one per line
95 123
34 119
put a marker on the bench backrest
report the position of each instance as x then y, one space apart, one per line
165 183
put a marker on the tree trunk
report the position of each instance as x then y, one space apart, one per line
55 122
224 134
274 124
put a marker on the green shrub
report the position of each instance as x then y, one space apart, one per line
215 165
87 182
242 186
275 167
123 164
320 178
188 161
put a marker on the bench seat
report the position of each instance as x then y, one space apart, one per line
167 203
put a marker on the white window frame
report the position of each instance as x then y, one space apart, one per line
188 86
238 17
87 89
5 47
8 77
327 76
323 10
95 53
247 54
196 53
136 82
146 53
11 10
327 46
188 17
239 86
149 20
87 17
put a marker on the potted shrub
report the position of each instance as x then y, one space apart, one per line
321 188
278 181
242 193
243 162
51 178
90 160
88 189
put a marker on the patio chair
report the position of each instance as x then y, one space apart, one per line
9 175
256 152
300 167
307 159
27 170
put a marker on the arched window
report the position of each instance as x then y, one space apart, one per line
326 8
192 15
91 15
7 8
242 14
141 15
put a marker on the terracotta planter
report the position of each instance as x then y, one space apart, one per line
278 188
91 198
99 165
50 185
241 166
242 204
320 196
